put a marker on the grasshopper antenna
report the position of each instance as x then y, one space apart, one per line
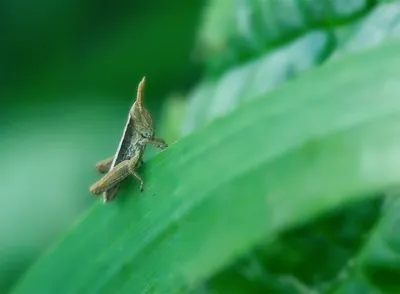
139 96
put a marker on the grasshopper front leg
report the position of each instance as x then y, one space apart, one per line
157 142
116 175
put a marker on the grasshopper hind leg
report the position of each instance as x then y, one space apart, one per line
111 179
104 165
110 194
115 176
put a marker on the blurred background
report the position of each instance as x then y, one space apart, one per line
68 76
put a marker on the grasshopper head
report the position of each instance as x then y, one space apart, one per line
143 123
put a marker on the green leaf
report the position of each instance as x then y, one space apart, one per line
335 238
328 138
253 27
215 98
382 23
380 257
299 35
375 269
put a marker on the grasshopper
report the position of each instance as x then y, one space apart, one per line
138 132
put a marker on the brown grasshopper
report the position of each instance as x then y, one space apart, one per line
139 131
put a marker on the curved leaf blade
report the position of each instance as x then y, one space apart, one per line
328 138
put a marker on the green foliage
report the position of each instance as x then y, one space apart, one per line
275 163
286 177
